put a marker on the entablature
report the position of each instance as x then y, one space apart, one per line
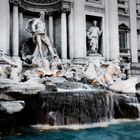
47 6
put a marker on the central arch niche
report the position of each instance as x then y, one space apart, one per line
28 9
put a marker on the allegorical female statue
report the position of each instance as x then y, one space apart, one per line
93 35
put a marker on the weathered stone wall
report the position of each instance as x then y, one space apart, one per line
57 33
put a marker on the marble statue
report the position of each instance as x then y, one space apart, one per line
125 86
112 70
93 35
38 51
105 77
15 67
2 73
36 26
40 62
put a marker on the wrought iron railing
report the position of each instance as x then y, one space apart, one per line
93 1
125 50
123 4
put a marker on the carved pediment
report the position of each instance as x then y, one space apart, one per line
123 26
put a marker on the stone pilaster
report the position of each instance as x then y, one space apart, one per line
107 47
71 34
79 29
63 35
15 30
20 25
51 30
4 26
133 31
112 31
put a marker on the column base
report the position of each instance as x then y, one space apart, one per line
94 57
135 69
64 60
80 61
16 57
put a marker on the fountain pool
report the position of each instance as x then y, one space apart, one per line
123 131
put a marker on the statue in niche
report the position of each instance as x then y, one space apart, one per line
38 51
93 35
36 26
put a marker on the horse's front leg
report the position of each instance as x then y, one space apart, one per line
109 79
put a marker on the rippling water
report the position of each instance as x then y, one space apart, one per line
125 131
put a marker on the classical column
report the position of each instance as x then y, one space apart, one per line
70 34
107 47
79 29
15 30
133 31
20 25
4 26
112 29
63 35
51 30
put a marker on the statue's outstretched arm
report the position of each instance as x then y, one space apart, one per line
89 33
100 32
34 25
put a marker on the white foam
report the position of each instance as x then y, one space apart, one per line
78 89
81 127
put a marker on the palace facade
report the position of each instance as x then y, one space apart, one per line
67 22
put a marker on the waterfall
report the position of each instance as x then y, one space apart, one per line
128 106
79 107
134 101
76 107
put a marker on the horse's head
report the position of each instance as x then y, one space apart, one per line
117 70
113 69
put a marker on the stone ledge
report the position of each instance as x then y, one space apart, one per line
135 66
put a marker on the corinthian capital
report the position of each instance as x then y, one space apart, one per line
15 2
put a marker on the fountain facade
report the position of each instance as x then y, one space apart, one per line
38 85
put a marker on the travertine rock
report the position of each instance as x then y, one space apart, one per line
11 106
31 87
125 85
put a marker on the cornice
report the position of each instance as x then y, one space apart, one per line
95 9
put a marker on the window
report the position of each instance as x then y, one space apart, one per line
93 1
123 39
123 31
121 1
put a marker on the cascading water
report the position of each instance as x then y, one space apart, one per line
85 107
79 107
133 101
76 107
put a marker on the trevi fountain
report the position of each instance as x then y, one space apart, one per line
49 98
